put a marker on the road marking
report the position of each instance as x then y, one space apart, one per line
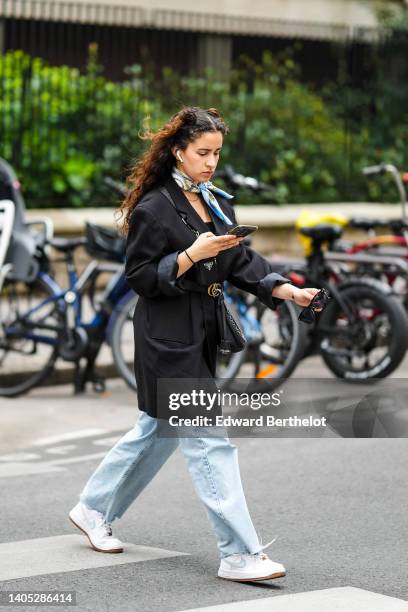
8 470
67 553
73 435
11 470
343 599
60 450
107 441
19 457
78 459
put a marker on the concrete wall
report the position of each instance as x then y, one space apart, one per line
276 235
314 19
341 12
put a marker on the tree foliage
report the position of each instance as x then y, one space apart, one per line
64 130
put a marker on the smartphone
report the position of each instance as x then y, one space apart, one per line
242 230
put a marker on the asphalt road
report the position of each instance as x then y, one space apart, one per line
338 506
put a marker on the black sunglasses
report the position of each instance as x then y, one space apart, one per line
320 301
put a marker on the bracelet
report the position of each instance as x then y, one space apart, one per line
193 262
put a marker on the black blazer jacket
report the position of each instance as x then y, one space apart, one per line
175 328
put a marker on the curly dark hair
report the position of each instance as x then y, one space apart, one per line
156 164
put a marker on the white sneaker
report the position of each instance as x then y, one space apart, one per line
247 567
250 567
92 523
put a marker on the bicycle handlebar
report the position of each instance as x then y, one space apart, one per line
379 169
237 180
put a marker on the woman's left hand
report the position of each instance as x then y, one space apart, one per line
303 297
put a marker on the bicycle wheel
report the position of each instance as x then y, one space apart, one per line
371 347
276 355
121 340
27 352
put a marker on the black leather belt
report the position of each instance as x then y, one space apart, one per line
213 290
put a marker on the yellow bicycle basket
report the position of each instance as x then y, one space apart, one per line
308 218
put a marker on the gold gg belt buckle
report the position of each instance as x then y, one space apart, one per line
214 290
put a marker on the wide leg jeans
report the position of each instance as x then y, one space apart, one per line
213 465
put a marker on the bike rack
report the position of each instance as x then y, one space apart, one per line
7 213
368 259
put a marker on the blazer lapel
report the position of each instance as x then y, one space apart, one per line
190 215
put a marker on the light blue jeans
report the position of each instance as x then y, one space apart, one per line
213 465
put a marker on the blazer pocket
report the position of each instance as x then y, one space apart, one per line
169 318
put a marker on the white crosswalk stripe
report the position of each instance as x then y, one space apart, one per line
110 441
18 457
60 450
13 469
41 461
67 553
343 599
71 435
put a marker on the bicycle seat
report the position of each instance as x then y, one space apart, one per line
282 267
398 226
65 245
368 224
322 232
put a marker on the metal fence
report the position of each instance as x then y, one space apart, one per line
46 113
60 33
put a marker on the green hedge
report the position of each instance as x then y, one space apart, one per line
64 130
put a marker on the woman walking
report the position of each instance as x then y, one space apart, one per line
176 221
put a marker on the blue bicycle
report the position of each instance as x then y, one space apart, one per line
40 321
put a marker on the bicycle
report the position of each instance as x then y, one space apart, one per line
362 334
382 256
40 321
383 245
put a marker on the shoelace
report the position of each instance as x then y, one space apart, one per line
261 556
107 527
268 544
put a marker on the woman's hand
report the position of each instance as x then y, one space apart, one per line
301 297
209 245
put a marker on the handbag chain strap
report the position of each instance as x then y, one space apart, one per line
167 195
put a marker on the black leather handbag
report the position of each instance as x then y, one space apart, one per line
231 337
